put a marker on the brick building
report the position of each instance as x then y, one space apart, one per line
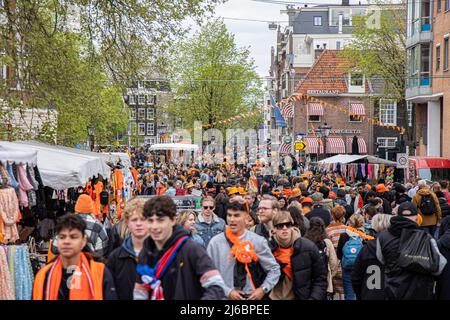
329 81
428 75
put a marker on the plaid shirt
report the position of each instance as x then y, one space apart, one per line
97 238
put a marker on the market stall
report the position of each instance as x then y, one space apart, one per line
359 167
176 151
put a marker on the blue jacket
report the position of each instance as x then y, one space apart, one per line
208 231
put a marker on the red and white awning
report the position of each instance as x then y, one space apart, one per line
357 109
315 109
335 145
362 147
312 145
285 148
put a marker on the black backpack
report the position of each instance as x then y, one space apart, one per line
427 205
322 246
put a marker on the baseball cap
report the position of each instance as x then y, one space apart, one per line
317 197
407 209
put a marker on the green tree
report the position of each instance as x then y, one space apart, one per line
215 80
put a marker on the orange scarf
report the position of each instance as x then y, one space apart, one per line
134 173
360 233
242 251
87 287
284 256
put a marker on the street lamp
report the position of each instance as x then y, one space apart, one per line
323 132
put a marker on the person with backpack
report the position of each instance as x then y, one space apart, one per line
317 234
397 250
428 207
443 281
304 272
445 207
349 246
368 272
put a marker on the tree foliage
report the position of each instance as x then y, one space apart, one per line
215 79
82 72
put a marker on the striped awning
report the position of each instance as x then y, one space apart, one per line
285 148
312 145
335 145
362 147
357 109
315 109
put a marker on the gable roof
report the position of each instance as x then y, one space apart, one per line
327 73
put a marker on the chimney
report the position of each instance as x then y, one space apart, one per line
345 2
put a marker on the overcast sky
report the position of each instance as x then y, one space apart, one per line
257 35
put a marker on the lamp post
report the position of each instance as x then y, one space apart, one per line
91 137
323 132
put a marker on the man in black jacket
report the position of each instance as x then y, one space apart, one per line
189 273
318 210
402 284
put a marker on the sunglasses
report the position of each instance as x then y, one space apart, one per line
208 207
281 226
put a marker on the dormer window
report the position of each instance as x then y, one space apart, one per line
356 82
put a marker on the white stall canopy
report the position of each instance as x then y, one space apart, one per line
19 156
174 147
62 169
349 158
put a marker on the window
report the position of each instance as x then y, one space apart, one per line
354 118
438 57
150 129
3 72
131 100
150 113
133 114
140 84
313 118
438 5
409 108
141 114
447 5
141 129
446 53
150 99
141 99
356 79
387 142
338 45
388 112
317 21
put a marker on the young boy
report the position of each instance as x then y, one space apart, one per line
171 265
73 275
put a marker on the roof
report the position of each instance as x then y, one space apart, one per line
329 72
326 73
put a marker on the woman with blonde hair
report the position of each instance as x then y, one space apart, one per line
367 265
187 219
122 262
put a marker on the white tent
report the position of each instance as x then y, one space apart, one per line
62 169
174 147
19 156
349 158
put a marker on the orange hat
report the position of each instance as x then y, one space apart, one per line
84 204
296 193
233 190
380 188
368 187
306 200
241 191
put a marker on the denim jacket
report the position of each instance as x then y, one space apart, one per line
208 231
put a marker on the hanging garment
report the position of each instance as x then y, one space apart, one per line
359 175
339 169
344 170
9 210
31 178
382 169
24 186
363 170
6 287
119 188
12 179
376 171
23 273
5 181
369 171
352 172
98 188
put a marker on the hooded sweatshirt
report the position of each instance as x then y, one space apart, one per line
443 284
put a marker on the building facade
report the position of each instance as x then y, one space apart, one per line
428 76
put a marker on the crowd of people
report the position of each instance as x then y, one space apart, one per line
258 236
